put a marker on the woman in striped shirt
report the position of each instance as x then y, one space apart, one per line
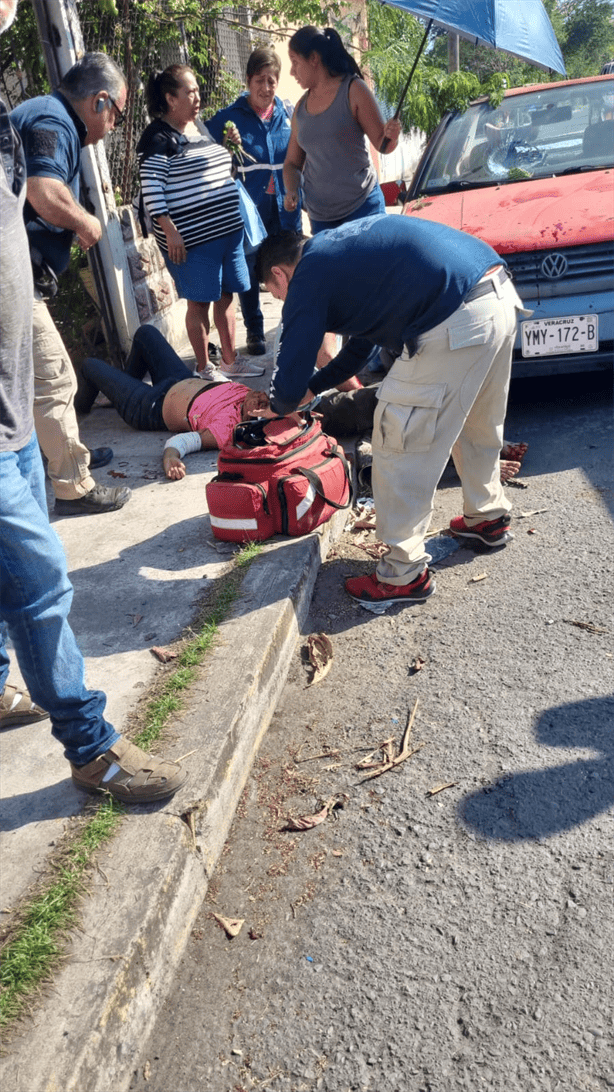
191 197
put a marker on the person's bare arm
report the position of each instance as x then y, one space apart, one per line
367 113
174 241
174 468
293 166
53 200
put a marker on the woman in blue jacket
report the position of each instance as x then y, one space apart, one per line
262 124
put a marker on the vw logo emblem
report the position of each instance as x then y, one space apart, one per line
554 266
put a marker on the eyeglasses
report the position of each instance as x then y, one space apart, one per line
120 117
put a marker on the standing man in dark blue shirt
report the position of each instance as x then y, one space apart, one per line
54 129
443 303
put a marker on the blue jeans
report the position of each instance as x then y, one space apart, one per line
34 603
250 300
138 403
372 206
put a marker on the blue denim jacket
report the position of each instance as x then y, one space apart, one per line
267 142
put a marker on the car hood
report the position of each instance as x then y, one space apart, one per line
535 215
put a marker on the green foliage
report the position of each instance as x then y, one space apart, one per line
294 13
588 30
73 311
584 29
433 91
21 58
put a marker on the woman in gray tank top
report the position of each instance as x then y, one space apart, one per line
328 153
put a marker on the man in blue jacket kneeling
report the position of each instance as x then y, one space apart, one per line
443 303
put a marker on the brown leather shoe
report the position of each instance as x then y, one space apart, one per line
17 707
130 775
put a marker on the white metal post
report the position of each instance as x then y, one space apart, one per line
62 40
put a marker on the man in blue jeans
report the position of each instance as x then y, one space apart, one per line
35 590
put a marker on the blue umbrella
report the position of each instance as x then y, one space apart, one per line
519 27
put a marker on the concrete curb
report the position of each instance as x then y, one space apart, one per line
88 1034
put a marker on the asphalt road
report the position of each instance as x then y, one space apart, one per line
420 940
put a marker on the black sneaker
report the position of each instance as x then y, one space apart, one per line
100 456
492 532
102 498
256 345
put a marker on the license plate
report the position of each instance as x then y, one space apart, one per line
551 337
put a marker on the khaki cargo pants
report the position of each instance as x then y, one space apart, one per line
55 384
449 398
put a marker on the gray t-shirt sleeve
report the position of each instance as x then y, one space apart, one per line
16 294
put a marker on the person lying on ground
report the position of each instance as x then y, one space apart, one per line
203 415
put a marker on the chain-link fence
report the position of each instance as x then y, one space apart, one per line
141 38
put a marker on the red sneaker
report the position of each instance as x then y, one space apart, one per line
368 589
492 532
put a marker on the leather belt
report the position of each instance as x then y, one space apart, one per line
487 284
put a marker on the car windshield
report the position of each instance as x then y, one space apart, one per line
557 130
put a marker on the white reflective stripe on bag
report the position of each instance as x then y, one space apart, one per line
234 524
306 502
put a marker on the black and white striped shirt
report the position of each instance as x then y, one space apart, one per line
195 188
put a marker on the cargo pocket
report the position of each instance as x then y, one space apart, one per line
406 416
467 333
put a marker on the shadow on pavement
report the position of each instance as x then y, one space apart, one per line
541 803
566 420
48 802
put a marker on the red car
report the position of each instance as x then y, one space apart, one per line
534 178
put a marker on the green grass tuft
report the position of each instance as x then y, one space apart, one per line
35 950
169 701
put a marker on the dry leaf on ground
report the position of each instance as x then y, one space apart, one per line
375 549
320 653
231 926
365 523
416 665
307 822
164 654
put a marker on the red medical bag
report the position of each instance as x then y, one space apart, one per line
277 477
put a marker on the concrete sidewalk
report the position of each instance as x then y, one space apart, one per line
139 575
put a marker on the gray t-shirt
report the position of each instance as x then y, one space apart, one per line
338 174
16 294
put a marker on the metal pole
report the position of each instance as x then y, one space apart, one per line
385 141
453 52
